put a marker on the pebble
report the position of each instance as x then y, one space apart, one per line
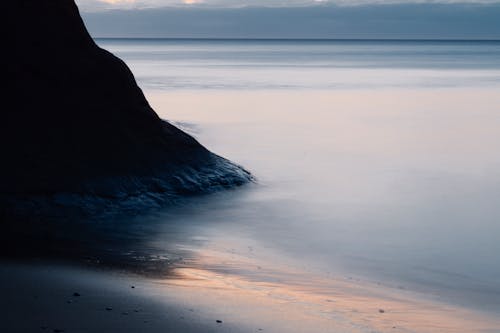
381 310
76 294
109 309
219 321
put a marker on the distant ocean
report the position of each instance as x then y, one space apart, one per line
308 64
374 159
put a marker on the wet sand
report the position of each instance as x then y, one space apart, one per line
42 297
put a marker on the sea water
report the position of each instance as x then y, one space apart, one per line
376 160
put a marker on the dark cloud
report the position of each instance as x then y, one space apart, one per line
325 21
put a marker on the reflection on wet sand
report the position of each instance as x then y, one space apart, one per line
284 299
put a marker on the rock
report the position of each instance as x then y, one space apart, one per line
79 138
109 309
76 294
219 321
381 310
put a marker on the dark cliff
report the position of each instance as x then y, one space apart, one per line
80 132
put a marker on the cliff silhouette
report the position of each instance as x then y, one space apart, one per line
80 136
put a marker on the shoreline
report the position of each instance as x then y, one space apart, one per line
63 297
60 297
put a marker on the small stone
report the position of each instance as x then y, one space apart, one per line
56 330
133 287
219 321
109 309
76 294
381 310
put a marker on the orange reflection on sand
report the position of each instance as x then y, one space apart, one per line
293 301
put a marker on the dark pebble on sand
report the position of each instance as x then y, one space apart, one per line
109 309
381 310
132 287
76 294
219 321
55 330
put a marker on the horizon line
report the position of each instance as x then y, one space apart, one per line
448 39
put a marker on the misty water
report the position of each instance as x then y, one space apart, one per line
374 160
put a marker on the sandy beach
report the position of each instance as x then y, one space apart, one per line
43 298
57 297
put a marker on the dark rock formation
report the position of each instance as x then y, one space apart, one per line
80 136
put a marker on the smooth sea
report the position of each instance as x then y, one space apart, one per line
376 160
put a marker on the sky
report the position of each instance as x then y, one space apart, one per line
420 19
97 5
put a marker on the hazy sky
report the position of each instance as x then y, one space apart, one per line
293 18
95 5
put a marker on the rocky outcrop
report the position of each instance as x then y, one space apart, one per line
80 134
